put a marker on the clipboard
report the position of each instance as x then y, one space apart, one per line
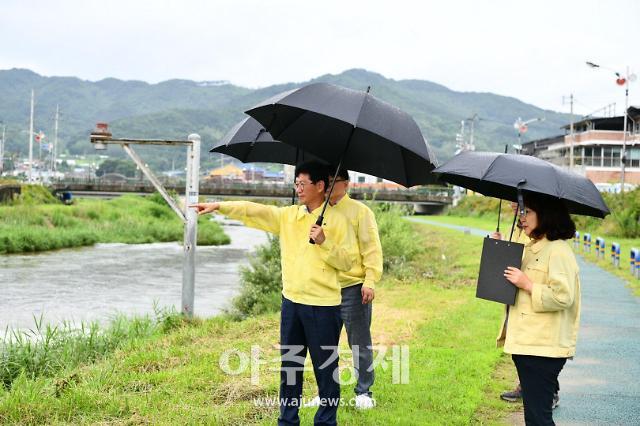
496 256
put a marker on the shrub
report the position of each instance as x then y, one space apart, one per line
261 281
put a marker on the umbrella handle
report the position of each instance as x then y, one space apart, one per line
513 225
520 206
319 223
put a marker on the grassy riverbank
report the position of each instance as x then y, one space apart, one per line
428 305
38 222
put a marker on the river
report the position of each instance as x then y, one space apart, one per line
94 283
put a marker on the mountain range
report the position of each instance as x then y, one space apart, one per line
176 108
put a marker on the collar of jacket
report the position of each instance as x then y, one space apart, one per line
346 197
537 245
302 211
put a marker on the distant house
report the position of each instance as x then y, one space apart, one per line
356 179
226 173
254 173
597 148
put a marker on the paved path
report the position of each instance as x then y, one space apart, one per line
602 384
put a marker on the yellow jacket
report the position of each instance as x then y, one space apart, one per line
309 271
545 322
367 267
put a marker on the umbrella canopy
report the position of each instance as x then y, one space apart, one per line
500 175
249 142
338 124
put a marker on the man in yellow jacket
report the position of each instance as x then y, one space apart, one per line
358 286
310 313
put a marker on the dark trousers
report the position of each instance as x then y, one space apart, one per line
539 382
357 323
315 329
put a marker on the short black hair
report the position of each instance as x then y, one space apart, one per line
554 221
342 173
317 172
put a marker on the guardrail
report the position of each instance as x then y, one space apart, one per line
584 244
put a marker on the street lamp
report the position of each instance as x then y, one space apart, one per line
621 81
522 127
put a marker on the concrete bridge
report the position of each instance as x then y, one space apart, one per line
425 199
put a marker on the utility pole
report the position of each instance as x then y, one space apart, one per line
4 126
30 176
54 148
460 139
473 119
571 134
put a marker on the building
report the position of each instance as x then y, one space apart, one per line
597 148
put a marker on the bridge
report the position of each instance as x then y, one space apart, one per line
425 198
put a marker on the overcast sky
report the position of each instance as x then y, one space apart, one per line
531 50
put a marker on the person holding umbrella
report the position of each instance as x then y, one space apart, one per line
310 313
358 287
522 238
541 326
540 330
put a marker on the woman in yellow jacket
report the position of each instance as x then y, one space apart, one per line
540 329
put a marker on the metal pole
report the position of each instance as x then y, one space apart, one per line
30 176
54 148
623 154
191 227
4 126
571 137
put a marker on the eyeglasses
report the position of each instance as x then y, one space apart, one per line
301 184
336 180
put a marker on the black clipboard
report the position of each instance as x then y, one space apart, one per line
496 256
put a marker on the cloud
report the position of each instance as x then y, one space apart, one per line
534 51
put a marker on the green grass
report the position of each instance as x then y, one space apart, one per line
455 371
38 226
483 222
46 350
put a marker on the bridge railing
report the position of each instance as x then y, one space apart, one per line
281 189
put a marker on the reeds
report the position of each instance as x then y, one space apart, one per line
46 349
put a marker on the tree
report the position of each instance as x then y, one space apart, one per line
116 165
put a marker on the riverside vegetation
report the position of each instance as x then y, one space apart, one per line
37 221
173 374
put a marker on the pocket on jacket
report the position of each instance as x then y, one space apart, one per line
534 329
537 272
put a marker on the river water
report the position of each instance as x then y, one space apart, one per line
94 283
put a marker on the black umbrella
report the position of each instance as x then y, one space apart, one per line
249 142
349 126
503 175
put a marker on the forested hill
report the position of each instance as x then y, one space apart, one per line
175 108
